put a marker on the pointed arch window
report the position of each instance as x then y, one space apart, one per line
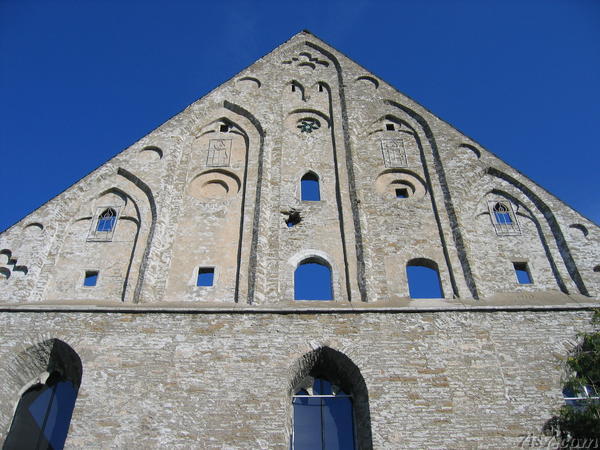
323 417
312 281
43 415
503 218
104 224
106 220
309 187
423 279
45 406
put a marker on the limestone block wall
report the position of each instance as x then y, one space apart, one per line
212 186
437 379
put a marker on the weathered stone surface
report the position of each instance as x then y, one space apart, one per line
453 379
167 363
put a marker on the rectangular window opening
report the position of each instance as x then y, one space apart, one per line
401 193
522 272
224 128
206 276
389 126
91 278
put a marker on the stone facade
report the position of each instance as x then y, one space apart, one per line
164 362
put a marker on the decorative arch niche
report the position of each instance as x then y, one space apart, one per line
116 255
546 213
523 238
223 160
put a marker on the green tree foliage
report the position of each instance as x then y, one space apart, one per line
580 419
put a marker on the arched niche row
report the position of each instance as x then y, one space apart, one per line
44 381
328 372
108 237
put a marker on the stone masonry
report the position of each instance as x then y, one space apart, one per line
160 362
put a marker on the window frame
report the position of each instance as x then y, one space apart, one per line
214 276
428 264
314 178
582 397
504 229
313 395
522 266
85 272
321 262
103 236
43 381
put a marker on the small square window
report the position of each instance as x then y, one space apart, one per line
91 278
224 128
389 126
522 272
401 193
206 276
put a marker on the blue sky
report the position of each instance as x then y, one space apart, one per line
82 80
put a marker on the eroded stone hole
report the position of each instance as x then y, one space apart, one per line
292 217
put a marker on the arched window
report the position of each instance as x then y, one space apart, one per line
43 415
329 403
502 214
312 281
106 221
323 418
423 279
309 186
503 218
45 406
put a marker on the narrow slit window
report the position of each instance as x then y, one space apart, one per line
522 273
206 276
320 88
309 187
91 278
